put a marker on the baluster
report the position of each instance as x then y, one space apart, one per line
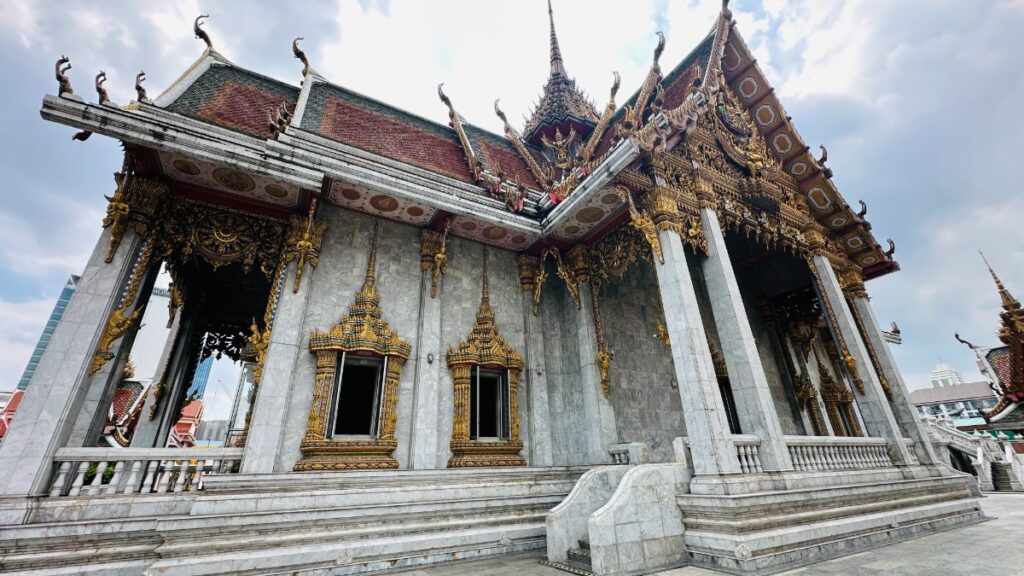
844 455
162 474
133 477
116 478
810 458
76 486
151 473
182 474
812 451
756 452
826 462
801 452
62 477
97 480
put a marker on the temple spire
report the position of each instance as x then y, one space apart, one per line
557 67
1009 302
371 263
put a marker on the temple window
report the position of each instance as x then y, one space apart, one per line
357 395
489 414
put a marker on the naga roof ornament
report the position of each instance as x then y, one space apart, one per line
200 33
561 100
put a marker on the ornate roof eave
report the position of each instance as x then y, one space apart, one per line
755 95
310 157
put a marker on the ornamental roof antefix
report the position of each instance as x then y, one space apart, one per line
225 134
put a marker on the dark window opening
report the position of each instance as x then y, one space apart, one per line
488 401
357 396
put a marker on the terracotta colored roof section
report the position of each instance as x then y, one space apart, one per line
358 121
1000 359
125 397
957 393
498 154
676 85
12 404
235 99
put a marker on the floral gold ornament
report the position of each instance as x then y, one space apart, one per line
127 312
362 330
484 347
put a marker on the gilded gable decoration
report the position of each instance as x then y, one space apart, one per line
484 347
363 329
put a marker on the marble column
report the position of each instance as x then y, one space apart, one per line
287 341
754 404
425 452
902 408
707 428
56 394
600 419
874 406
534 380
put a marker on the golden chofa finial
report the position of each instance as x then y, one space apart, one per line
1009 302
200 33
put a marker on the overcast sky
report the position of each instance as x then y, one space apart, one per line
917 100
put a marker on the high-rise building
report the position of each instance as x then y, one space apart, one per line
51 325
945 375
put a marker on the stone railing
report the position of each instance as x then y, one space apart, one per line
101 471
747 447
817 453
629 453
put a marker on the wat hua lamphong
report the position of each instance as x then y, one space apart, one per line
636 336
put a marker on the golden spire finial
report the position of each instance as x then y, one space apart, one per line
1009 302
371 262
485 295
556 54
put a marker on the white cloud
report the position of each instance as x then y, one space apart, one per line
23 323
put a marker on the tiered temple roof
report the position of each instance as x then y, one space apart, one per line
224 133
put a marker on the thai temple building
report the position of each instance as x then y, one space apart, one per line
635 335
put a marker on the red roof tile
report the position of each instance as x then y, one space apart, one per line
242 107
394 139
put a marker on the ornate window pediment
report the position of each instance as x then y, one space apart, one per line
485 351
362 330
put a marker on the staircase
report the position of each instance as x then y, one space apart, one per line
579 558
1001 477
338 523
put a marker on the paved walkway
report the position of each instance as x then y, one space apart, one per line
986 549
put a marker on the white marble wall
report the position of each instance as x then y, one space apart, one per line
643 379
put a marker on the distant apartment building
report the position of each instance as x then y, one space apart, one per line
953 398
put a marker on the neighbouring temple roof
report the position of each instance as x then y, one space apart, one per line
954 393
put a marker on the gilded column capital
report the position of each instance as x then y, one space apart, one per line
434 254
664 207
528 267
430 245
579 262
851 280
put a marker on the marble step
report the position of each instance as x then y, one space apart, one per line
250 484
383 519
126 547
771 510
